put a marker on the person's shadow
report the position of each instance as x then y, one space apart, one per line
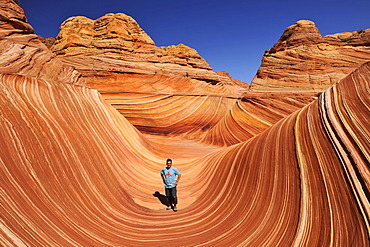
162 198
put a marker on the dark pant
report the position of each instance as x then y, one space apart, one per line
171 194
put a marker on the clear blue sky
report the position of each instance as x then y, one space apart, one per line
231 35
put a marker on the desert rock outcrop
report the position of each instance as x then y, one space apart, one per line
21 52
303 60
173 91
116 43
165 90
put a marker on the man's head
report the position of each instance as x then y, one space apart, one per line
168 163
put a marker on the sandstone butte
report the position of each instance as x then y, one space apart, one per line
304 60
75 172
114 49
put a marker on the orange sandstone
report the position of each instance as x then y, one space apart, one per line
303 60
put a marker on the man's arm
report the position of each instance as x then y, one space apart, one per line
163 179
178 179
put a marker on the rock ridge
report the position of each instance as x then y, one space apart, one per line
117 42
303 60
22 52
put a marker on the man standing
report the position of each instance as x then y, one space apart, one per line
170 181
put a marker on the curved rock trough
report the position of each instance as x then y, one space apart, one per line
268 170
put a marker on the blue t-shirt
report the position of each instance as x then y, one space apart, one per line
170 176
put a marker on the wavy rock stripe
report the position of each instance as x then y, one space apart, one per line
171 114
68 180
66 154
251 115
212 119
330 191
343 179
350 136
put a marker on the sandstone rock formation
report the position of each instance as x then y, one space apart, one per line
75 172
303 60
64 185
21 52
163 90
294 72
173 91
114 49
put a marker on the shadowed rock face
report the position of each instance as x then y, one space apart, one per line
75 172
47 41
303 60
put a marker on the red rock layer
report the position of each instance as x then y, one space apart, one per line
303 60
